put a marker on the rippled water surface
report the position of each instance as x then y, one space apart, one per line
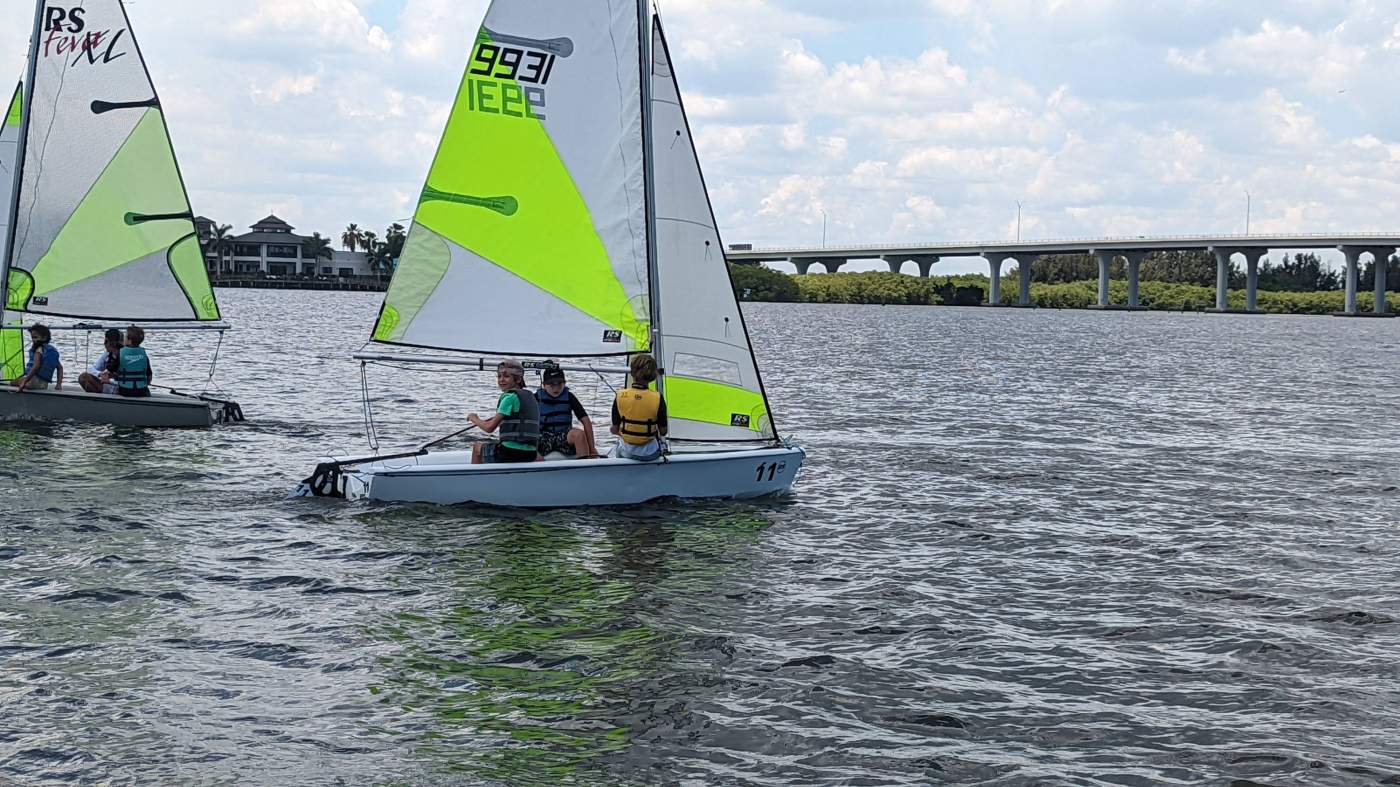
1028 547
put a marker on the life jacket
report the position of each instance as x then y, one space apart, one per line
133 368
46 358
639 410
555 413
524 426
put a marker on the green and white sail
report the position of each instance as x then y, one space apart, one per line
713 388
530 235
9 155
104 228
11 341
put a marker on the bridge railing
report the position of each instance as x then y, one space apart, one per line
1340 237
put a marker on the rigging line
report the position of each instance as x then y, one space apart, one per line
370 433
423 369
605 382
214 365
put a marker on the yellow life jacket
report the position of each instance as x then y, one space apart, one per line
638 409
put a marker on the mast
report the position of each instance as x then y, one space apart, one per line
26 102
649 175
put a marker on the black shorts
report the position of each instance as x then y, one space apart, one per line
497 454
556 441
135 393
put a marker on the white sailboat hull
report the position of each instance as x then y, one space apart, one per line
449 478
153 411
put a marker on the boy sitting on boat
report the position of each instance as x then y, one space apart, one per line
133 375
43 364
558 408
106 363
639 414
517 416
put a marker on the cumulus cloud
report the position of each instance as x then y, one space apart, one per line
898 120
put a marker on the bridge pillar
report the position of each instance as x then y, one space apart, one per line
1222 277
1251 292
995 260
1353 255
1382 257
1023 269
924 261
1134 259
1105 259
831 265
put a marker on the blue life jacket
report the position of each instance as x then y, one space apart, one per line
555 413
133 369
47 359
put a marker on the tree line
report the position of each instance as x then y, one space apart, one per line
381 253
756 283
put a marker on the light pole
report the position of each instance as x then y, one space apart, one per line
823 229
1247 206
1018 221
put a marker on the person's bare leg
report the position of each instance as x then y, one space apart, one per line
578 443
89 382
590 442
476 454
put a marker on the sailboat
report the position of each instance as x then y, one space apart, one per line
98 227
565 216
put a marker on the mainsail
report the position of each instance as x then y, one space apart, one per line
713 389
530 235
11 341
103 228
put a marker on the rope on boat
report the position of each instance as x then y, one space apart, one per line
229 411
371 431
327 480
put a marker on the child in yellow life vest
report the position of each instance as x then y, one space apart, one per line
639 414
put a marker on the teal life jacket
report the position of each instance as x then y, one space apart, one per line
523 428
133 369
555 413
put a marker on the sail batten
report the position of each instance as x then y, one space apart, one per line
104 227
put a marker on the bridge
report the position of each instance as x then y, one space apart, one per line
1252 248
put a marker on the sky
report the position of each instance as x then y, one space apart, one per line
887 121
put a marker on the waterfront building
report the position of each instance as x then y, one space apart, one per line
272 248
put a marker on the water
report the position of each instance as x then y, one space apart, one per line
1054 547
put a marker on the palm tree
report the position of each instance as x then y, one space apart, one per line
395 237
381 259
351 238
316 248
221 243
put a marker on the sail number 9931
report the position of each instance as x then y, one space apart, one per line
504 62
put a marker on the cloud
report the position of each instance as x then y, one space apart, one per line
900 120
310 25
1323 60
